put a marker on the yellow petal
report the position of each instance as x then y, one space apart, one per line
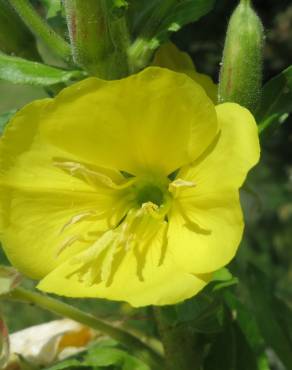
161 284
169 56
208 234
45 212
154 121
28 161
234 152
41 230
206 222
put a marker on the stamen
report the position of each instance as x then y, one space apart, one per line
180 183
67 243
77 218
92 177
132 229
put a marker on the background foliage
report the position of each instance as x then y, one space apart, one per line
261 299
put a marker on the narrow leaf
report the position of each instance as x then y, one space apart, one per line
182 13
152 22
230 351
249 327
276 101
157 18
275 327
21 71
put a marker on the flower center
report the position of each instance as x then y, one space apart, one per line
151 190
150 193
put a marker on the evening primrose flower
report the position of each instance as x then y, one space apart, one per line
125 190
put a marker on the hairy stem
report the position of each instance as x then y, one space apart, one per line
99 37
182 350
41 29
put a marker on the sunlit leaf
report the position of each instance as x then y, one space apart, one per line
21 71
223 279
107 356
103 357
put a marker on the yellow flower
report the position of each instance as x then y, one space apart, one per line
126 190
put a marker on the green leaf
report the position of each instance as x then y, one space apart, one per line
9 279
157 18
21 71
230 351
183 12
249 327
107 356
103 355
53 7
120 3
152 22
204 313
223 279
4 118
66 364
276 101
273 316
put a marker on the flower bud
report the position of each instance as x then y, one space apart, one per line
241 70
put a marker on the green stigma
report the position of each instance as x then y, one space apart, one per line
150 193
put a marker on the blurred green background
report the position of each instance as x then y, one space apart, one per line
268 198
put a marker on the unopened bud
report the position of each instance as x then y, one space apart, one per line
241 70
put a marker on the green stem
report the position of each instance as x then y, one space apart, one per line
98 36
140 349
182 350
41 29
